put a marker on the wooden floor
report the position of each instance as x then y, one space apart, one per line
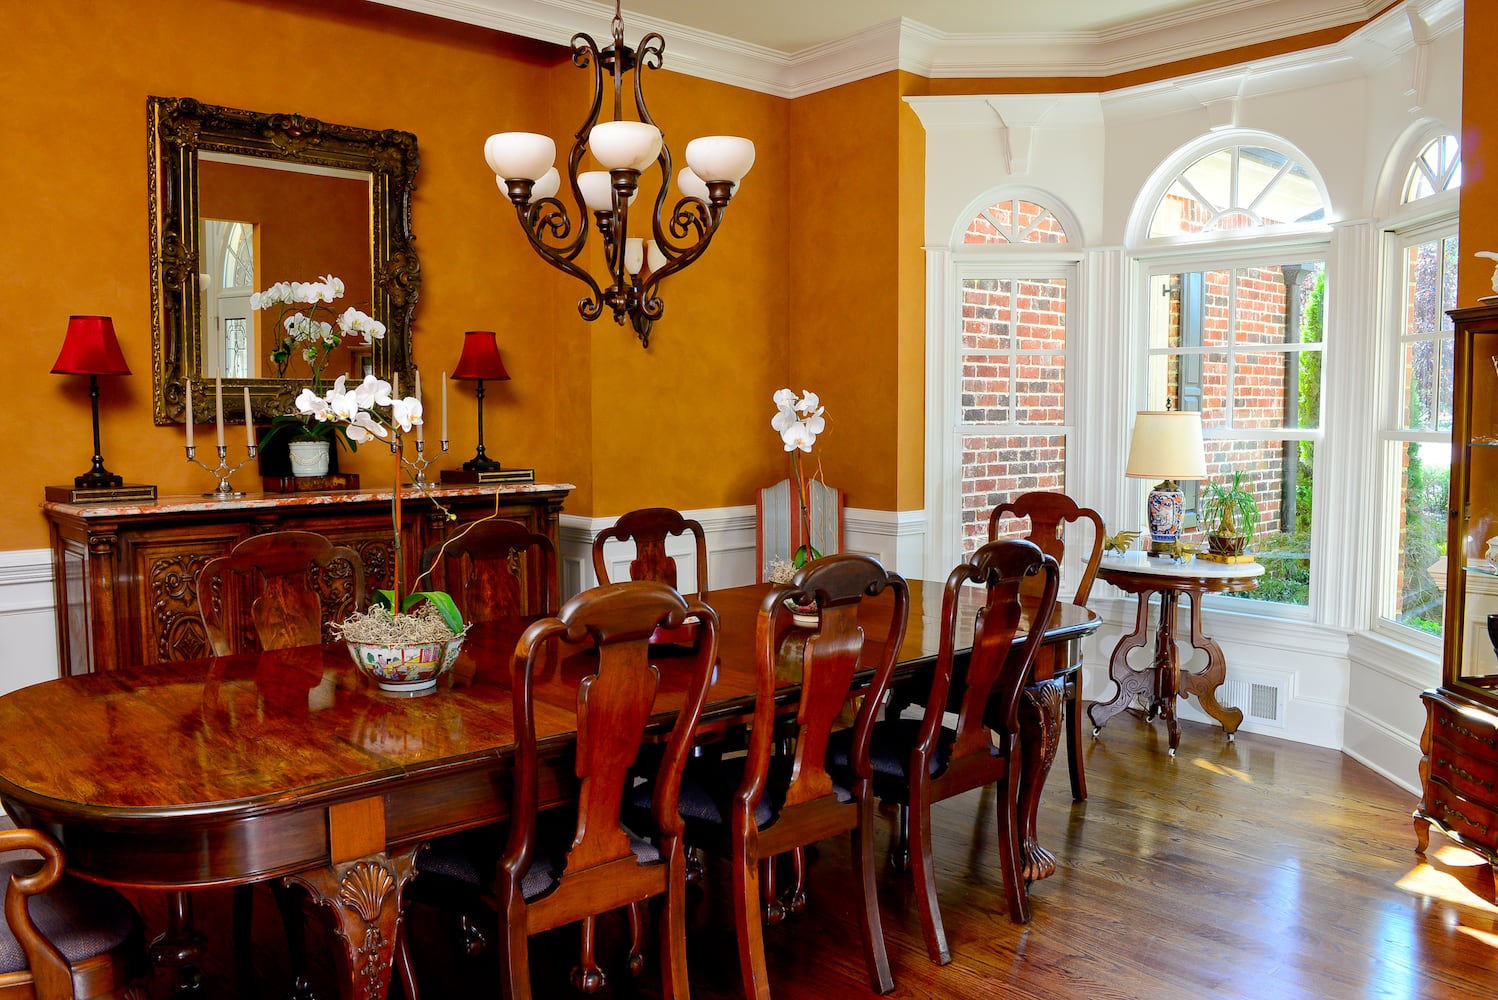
1259 868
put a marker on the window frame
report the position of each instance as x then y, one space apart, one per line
1206 254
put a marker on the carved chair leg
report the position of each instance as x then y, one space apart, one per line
405 965
636 938
925 882
868 903
475 941
1074 737
795 900
899 852
696 866
748 926
773 907
289 900
587 977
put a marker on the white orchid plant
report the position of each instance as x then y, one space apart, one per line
365 412
304 333
314 339
798 421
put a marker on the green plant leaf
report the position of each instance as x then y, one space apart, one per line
440 600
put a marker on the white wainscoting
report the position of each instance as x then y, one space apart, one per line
28 629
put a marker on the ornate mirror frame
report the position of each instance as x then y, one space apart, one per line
179 129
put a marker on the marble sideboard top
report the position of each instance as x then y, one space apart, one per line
189 502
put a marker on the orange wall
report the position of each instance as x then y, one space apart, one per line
845 294
686 423
1479 225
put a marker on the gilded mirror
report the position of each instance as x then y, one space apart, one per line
240 200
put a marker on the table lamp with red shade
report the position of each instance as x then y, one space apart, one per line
91 348
480 362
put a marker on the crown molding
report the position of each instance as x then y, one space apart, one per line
906 44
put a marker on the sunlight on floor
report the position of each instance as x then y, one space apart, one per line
1226 772
1456 876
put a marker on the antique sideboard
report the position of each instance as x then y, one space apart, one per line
125 576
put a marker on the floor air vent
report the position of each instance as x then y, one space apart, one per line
1261 702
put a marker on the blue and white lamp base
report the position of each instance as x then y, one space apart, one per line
1167 516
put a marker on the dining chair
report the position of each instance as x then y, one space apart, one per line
1050 514
275 591
921 761
278 590
779 530
779 796
549 875
494 569
649 528
63 937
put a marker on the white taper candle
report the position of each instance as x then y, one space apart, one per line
188 422
420 436
249 421
444 406
218 408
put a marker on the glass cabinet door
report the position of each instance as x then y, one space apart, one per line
1472 617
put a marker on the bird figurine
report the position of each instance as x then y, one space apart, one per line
1121 542
1180 551
1490 255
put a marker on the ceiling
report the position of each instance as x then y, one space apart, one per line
793 47
792 26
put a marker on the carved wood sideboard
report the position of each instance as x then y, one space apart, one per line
125 577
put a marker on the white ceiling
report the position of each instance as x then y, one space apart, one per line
792 47
791 26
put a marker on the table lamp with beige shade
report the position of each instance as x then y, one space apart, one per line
1166 446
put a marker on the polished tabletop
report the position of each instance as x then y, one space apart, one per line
217 771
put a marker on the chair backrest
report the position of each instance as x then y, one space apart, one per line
1049 514
985 695
649 528
779 531
94 931
618 693
829 658
494 569
278 590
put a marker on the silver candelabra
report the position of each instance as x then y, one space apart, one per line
223 471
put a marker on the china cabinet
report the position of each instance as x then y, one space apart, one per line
1459 763
125 576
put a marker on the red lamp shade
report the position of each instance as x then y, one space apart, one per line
480 358
90 348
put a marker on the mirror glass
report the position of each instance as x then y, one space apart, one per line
241 200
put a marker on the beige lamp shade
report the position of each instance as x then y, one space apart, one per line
1167 445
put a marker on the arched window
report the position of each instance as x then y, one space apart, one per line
1015 220
1236 188
1004 407
1438 168
1416 429
1234 329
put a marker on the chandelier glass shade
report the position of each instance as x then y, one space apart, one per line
524 165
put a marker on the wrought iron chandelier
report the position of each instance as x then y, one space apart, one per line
523 167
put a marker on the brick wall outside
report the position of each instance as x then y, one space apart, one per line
1013 216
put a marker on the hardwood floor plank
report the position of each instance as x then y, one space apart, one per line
1256 869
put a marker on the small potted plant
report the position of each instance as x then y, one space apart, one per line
1228 516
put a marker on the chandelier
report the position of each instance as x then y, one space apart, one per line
523 165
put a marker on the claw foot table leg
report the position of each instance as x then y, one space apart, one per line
365 898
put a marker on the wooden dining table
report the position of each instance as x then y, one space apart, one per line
290 764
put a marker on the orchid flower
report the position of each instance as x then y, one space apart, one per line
798 421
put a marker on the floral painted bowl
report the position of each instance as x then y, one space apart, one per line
409 667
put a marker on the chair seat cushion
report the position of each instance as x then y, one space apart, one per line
889 754
82 919
708 788
462 856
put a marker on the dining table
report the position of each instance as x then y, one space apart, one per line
292 765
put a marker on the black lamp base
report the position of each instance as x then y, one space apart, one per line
98 478
481 463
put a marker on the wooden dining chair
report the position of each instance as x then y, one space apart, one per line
275 591
278 590
547 876
780 796
494 569
920 761
1050 514
62 937
649 528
